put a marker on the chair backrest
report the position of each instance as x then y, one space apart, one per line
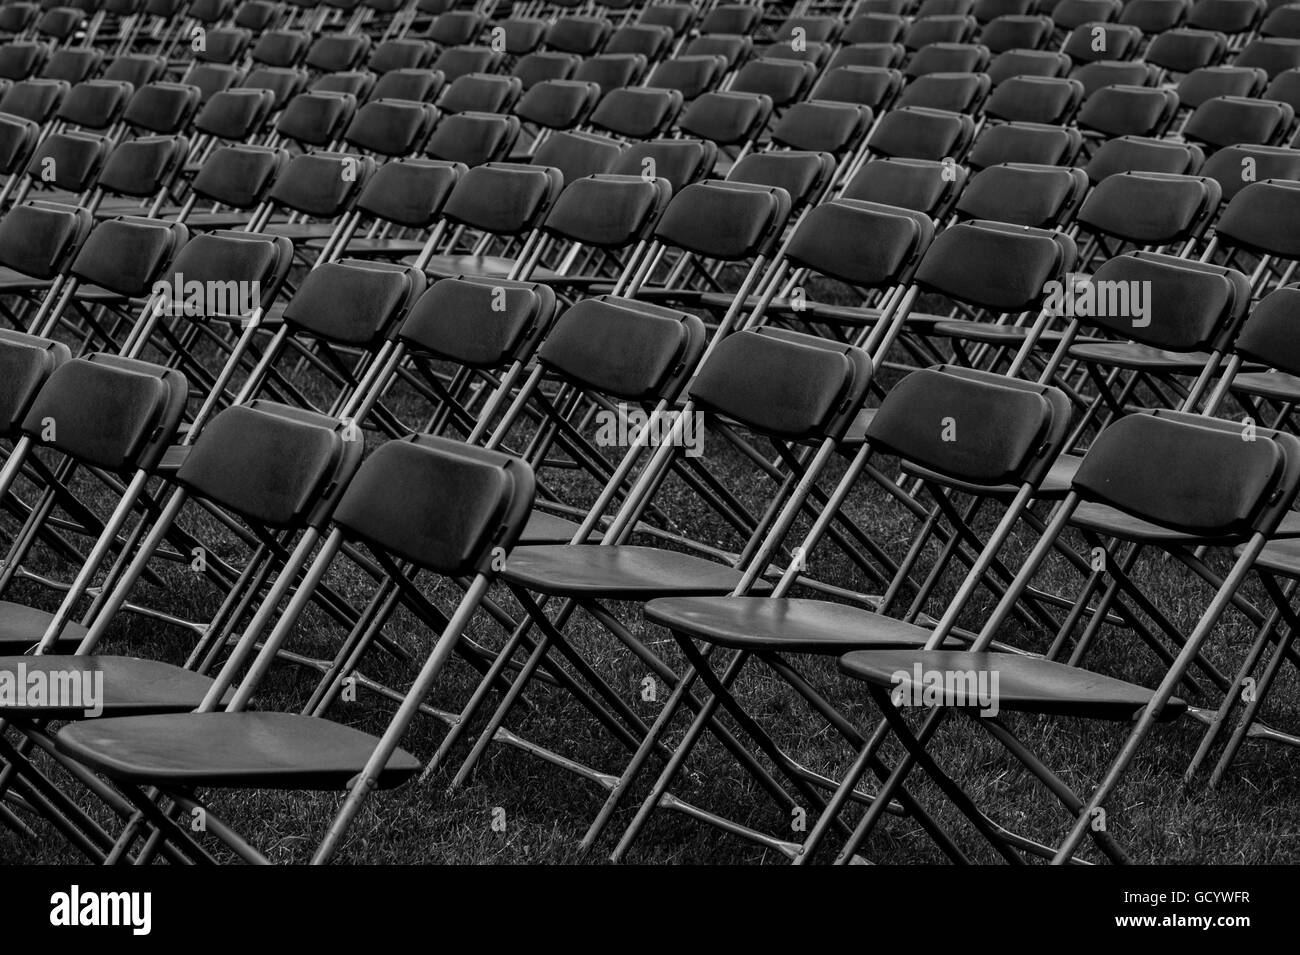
689 75
1128 111
1192 474
1184 50
1013 63
633 351
1211 81
238 176
40 241
1035 99
321 185
578 155
1023 194
480 93
726 118
36 100
558 104
409 192
478 322
316 118
873 86
474 138
1165 302
1233 120
787 385
163 108
109 412
865 244
637 112
401 54
728 221
229 264
353 302
995 266
1025 142
18 137
819 126
804 176
26 361
272 464
391 127
1261 218
504 199
1141 154
95 104
413 85
338 53
916 133
921 185
610 212
1268 334
448 507
235 115
972 426
1236 167
127 254
680 161
1150 208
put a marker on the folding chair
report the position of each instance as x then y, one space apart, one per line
457 534
1253 491
734 381
143 405
1029 424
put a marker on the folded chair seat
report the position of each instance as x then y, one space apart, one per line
254 750
619 572
791 624
131 687
1025 684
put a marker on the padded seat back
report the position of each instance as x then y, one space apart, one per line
115 413
445 506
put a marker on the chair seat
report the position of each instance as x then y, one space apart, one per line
546 528
621 572
237 750
205 221
997 334
300 233
793 624
1115 523
1054 486
21 628
1268 384
14 281
482 266
1131 355
1025 684
130 687
363 248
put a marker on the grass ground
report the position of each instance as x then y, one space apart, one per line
1252 817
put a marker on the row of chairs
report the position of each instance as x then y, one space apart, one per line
535 303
